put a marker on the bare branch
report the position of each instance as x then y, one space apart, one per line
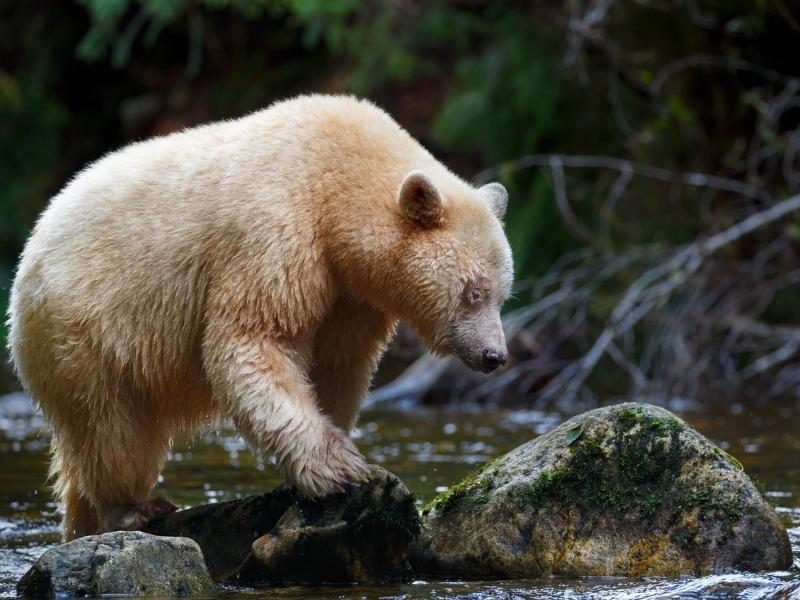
570 218
694 179
413 383
617 190
714 61
767 362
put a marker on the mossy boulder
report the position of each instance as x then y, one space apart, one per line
628 490
125 563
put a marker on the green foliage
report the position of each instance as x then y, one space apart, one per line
506 101
534 226
30 124
30 128
112 36
322 22
509 101
387 46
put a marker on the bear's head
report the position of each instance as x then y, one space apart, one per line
455 266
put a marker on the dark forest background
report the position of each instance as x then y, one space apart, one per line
651 149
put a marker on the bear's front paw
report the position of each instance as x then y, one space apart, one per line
336 462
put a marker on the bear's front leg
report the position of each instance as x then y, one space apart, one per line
263 386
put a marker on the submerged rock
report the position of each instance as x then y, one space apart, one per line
360 535
128 563
628 490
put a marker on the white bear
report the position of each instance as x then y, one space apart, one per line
251 269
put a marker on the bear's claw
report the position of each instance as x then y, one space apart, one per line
338 464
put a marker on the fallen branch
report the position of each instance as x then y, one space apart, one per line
413 383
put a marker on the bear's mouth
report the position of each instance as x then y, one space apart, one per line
474 364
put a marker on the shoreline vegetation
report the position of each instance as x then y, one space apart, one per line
653 183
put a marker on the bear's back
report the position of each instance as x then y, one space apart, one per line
129 246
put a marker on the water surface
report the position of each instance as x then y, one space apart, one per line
429 449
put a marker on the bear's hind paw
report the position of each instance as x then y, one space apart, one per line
140 514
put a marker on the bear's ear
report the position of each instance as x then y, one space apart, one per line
420 201
496 197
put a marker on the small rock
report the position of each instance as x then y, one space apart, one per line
629 490
359 536
128 563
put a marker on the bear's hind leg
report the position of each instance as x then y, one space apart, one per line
80 518
123 501
106 469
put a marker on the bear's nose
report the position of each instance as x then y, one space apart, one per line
493 359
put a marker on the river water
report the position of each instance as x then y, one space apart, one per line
428 449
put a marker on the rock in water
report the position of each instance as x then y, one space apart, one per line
627 490
128 563
360 536
226 531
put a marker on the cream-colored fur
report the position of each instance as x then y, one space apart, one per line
251 269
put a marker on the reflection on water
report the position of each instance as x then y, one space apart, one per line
429 449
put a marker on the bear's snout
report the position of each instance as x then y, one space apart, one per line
491 359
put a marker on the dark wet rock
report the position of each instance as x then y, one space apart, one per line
360 535
121 563
627 490
226 531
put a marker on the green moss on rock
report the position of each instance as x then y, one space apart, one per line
629 469
471 492
632 471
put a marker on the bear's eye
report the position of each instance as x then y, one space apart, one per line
475 294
